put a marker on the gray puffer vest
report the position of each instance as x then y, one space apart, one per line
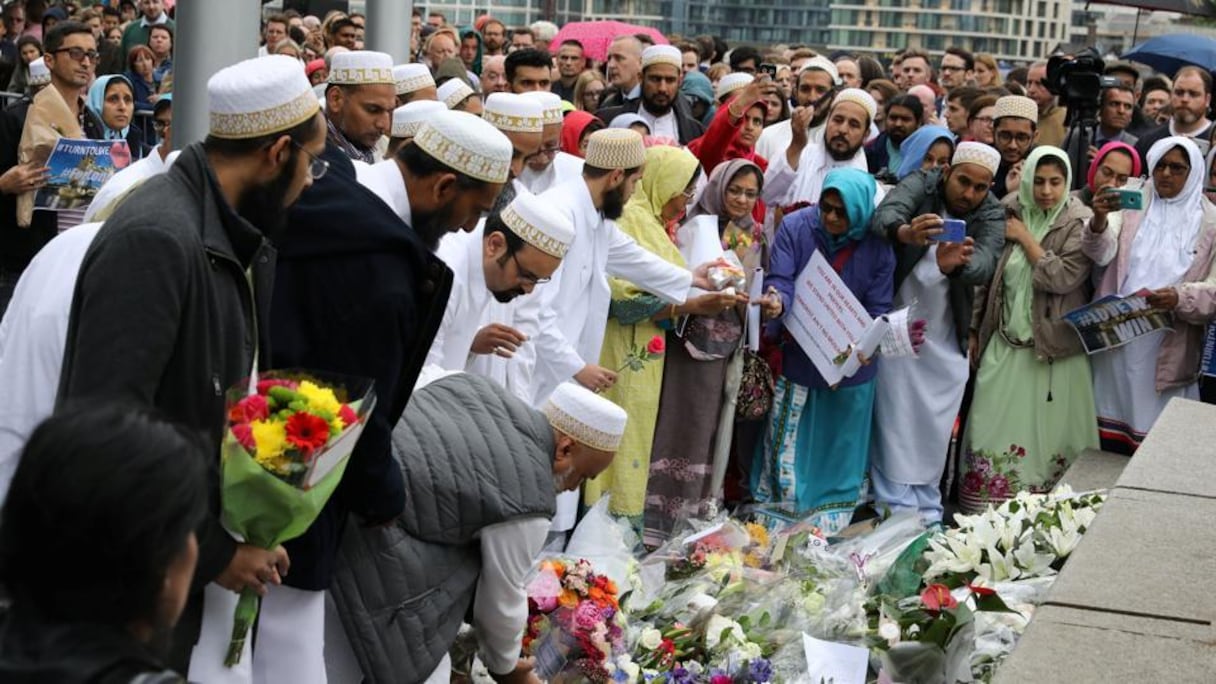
472 455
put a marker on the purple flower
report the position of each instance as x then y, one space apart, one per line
681 675
760 670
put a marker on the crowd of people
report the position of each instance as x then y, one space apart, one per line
498 233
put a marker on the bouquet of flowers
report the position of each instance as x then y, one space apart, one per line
575 624
288 440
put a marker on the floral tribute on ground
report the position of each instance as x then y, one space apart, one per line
728 600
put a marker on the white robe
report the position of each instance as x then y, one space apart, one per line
33 336
563 168
385 181
574 306
784 186
467 303
515 373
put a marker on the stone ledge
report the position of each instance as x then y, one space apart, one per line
1095 469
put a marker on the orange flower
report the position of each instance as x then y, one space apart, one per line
611 588
568 599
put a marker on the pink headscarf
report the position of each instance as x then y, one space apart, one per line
1107 149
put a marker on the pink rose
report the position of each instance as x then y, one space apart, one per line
656 346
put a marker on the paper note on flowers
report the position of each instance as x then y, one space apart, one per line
827 661
828 322
1114 321
78 168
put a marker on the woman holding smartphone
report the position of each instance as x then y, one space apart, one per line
1033 411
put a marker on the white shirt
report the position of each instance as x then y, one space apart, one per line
122 182
661 126
563 168
33 337
515 373
774 140
385 181
574 306
467 303
784 186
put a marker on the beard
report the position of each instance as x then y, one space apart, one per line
265 205
614 203
506 196
897 137
840 150
504 296
656 108
432 226
560 479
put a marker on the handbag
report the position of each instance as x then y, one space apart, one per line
756 388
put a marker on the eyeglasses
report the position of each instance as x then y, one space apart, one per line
986 120
1173 168
160 125
1007 137
740 192
317 167
951 68
826 210
527 275
79 54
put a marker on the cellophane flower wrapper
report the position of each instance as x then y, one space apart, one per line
272 490
609 544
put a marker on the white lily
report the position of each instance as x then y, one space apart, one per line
1062 542
1000 567
1085 517
1033 563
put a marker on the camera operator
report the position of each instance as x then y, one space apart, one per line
1116 104
1051 114
1191 99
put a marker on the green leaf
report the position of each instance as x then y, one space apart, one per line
992 604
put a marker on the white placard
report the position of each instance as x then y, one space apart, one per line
827 321
753 312
898 341
827 661
699 243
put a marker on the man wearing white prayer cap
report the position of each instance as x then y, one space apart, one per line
667 114
456 95
414 82
543 169
817 79
446 177
797 176
408 118
506 257
173 284
481 468
916 403
360 96
359 292
522 120
573 309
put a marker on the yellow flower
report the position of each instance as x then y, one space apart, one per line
320 399
758 534
270 438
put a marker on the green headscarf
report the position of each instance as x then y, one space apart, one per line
1019 273
470 31
668 171
857 189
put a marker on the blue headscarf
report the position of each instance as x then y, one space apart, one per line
857 189
96 102
696 85
914 148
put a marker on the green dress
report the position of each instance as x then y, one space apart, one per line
1030 419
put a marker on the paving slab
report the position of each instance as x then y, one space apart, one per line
1080 647
1095 469
1146 553
1177 454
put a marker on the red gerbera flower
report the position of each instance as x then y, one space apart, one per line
348 415
307 432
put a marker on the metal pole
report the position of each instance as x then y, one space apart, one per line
388 27
211 35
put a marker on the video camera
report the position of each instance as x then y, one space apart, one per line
1078 80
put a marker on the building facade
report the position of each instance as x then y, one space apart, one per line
1015 30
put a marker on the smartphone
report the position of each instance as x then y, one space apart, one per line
770 69
953 230
1130 199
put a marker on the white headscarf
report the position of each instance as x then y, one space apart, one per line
1164 246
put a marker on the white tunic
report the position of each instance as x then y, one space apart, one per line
664 126
33 336
466 306
563 168
574 306
784 186
515 373
385 181
918 398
